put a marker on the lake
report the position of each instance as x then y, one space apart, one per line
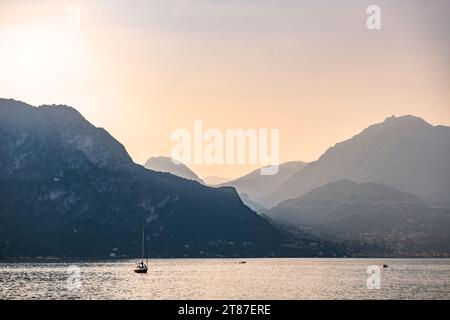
227 279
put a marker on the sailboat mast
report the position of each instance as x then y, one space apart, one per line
143 243
146 253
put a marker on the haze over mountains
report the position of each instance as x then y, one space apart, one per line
167 164
371 213
405 153
256 186
214 180
68 188
401 170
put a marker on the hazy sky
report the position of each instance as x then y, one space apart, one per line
142 69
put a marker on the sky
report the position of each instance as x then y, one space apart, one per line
311 69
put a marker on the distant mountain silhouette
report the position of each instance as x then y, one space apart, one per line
252 204
373 213
405 153
214 181
166 164
256 186
68 188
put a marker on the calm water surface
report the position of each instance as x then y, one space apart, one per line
227 279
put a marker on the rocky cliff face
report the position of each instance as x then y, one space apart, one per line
68 188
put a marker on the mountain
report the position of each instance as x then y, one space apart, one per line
256 186
373 213
251 204
70 189
214 181
167 164
405 153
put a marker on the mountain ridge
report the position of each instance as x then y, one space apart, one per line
406 153
373 213
70 189
256 186
167 164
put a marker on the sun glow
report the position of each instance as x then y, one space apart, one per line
142 71
33 56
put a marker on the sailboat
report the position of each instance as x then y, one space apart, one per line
142 266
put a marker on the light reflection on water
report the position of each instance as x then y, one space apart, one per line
227 279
